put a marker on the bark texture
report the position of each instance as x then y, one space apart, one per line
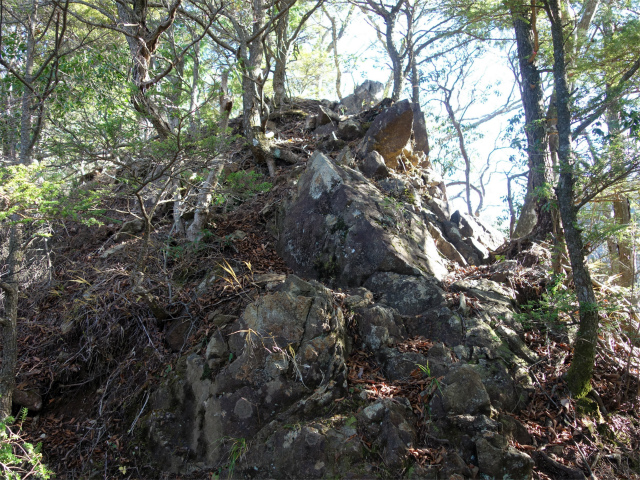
8 322
581 370
541 181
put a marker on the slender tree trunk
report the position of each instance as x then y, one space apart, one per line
415 83
178 208
394 55
226 102
281 56
581 369
463 148
334 47
8 322
527 219
622 261
201 215
8 127
194 116
142 46
540 165
620 249
26 146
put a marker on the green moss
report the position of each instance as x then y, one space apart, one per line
340 226
207 373
326 268
589 407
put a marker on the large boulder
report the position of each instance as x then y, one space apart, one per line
364 96
399 135
285 353
341 228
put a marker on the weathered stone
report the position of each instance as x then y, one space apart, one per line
364 96
377 327
395 185
398 365
390 134
129 229
349 130
310 450
287 347
217 347
480 237
326 116
409 295
388 424
444 246
462 393
498 460
358 298
341 228
345 158
439 324
373 166
513 428
498 383
176 333
269 281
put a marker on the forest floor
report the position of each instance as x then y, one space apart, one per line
92 348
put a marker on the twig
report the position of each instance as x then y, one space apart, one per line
584 459
138 416
544 391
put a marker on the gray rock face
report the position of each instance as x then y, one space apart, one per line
498 460
388 425
373 166
287 347
472 237
463 393
349 130
377 327
365 96
276 377
409 295
305 450
340 227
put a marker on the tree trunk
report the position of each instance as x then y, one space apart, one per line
226 102
581 369
8 322
394 55
540 187
463 149
281 56
7 126
201 215
142 46
527 219
415 83
334 47
622 261
194 116
620 249
26 146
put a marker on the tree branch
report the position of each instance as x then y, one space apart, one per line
612 96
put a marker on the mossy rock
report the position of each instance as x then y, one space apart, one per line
588 407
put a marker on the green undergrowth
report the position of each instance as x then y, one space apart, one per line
19 459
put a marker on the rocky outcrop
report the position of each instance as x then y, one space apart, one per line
273 395
341 228
399 135
285 353
364 96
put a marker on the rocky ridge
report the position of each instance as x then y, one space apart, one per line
275 394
